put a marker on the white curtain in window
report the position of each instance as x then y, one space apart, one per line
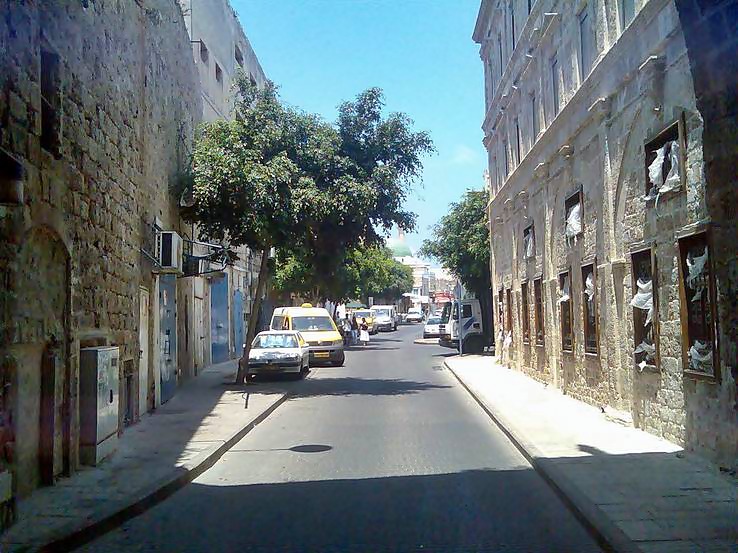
528 245
672 180
695 269
644 298
574 221
656 169
650 354
700 357
589 289
565 290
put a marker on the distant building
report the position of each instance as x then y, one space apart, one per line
422 275
218 303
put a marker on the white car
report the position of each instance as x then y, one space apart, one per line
279 352
414 316
432 328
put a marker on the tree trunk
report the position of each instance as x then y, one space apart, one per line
243 363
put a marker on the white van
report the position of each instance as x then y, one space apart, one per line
385 317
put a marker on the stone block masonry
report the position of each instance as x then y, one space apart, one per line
98 104
611 139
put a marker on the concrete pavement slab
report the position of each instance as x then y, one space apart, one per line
637 491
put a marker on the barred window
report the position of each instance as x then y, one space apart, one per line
525 315
538 300
565 309
645 317
699 340
589 309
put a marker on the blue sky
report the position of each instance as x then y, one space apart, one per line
420 52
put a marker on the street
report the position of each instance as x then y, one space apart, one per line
388 453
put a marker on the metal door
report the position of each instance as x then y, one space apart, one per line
143 354
219 319
168 336
237 312
199 334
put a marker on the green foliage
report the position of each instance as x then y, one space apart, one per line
276 176
364 271
461 241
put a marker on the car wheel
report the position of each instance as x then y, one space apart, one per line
340 361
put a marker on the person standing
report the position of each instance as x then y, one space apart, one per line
354 330
364 332
347 332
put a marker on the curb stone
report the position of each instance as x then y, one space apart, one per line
597 523
77 534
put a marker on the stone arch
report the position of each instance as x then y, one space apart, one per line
43 387
629 148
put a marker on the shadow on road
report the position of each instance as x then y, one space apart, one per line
473 510
352 386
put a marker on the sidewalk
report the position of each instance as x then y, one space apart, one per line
633 489
165 450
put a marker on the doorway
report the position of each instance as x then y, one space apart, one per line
143 351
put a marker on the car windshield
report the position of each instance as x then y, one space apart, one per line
434 321
381 312
317 322
270 341
277 322
362 314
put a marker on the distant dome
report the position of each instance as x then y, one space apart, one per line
398 247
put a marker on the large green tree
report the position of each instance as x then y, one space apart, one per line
274 176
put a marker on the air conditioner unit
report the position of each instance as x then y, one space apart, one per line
169 251
194 266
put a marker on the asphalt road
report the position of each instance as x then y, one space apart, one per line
387 453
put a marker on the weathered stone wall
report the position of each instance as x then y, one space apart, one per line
640 84
711 34
126 100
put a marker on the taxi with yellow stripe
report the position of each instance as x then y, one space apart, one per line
316 325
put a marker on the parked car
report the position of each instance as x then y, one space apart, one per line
414 315
432 328
316 326
275 352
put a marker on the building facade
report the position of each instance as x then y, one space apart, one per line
99 102
218 301
613 261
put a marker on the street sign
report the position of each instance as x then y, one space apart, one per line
371 301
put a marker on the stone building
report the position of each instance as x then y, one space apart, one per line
613 254
98 105
218 302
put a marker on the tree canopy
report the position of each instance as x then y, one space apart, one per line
364 271
277 176
461 241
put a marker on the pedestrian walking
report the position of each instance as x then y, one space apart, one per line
347 332
364 332
354 330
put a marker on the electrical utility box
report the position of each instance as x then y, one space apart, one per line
98 403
